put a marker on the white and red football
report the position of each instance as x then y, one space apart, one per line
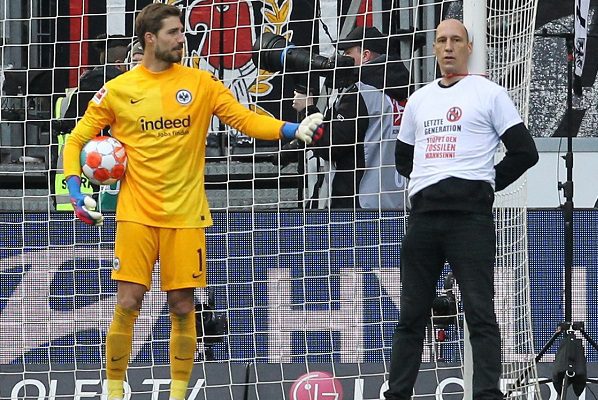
103 160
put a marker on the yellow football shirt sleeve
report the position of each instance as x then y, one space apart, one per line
97 116
231 112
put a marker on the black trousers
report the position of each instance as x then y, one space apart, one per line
468 242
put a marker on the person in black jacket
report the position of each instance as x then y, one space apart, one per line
112 55
449 136
361 126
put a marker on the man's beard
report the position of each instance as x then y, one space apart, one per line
168 56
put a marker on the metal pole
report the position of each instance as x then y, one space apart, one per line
568 186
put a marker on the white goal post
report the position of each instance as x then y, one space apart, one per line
498 54
310 296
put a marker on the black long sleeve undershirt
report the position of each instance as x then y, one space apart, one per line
455 194
520 156
404 158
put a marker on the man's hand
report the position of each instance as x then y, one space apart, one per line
301 101
84 205
84 210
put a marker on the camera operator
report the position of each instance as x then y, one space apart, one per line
316 167
360 128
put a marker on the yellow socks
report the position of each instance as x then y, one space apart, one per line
118 349
115 389
178 389
183 340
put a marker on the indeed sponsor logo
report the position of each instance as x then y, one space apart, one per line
164 123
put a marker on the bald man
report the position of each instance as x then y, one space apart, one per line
449 135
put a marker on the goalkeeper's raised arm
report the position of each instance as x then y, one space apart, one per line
232 113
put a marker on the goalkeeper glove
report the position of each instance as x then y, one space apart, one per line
308 128
84 205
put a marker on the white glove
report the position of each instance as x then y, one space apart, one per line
301 101
84 205
85 210
308 126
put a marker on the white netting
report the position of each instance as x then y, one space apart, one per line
509 61
303 290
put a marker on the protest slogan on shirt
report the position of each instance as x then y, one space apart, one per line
441 146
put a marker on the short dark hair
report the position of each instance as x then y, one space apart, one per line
150 19
115 54
104 41
112 48
367 38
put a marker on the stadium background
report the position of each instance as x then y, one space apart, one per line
73 51
62 54
57 66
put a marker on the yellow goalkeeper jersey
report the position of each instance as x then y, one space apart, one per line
162 120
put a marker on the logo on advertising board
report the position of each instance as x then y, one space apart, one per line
316 385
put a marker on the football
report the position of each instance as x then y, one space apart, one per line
103 160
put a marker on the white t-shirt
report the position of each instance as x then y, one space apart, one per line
456 130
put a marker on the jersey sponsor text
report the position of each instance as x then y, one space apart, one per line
161 123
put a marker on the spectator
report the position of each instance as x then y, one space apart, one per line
360 132
448 139
134 54
112 52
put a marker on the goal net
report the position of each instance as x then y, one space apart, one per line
303 297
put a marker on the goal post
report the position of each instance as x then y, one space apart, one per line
475 20
302 302
509 43
492 53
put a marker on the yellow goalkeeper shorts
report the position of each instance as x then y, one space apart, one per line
182 255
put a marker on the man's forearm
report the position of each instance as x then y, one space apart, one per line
520 156
404 158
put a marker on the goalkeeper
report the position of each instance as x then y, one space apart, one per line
161 112
449 135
